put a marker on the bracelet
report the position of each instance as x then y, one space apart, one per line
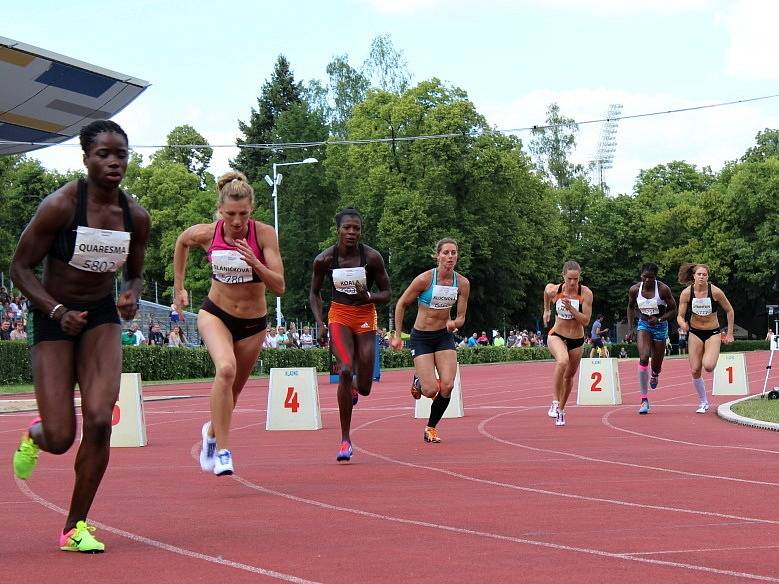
369 295
54 310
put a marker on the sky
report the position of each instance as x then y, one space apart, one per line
207 61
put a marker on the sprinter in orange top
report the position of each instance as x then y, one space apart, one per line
353 268
572 303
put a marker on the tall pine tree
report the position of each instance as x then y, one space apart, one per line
278 93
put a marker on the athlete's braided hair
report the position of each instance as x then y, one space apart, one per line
90 131
348 212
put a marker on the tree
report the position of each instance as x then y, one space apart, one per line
347 87
386 67
673 177
278 94
477 187
195 159
552 146
767 146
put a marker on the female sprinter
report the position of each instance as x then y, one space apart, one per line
244 257
352 268
656 305
698 305
573 307
432 343
83 233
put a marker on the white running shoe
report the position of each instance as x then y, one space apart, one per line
207 450
560 418
223 465
702 408
552 413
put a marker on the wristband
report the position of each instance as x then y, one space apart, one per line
369 296
54 310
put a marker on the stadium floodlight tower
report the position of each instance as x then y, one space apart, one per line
607 145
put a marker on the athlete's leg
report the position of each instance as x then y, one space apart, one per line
343 348
424 366
446 363
711 350
644 341
695 350
219 343
99 368
55 379
365 355
246 353
559 351
574 358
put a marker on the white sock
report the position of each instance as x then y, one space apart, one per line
700 387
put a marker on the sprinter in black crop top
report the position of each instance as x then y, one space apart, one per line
83 234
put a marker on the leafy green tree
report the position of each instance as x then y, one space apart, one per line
552 146
386 67
195 159
767 146
478 187
347 87
674 177
277 95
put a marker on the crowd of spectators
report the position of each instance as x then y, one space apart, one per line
13 316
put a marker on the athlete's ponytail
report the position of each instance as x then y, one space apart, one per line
571 266
234 186
687 272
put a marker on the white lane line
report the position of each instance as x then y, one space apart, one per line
606 422
616 462
24 488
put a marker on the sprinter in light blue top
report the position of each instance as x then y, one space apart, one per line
433 347
439 297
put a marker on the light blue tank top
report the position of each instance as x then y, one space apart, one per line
439 297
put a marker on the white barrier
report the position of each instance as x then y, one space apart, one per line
293 399
598 383
455 409
129 424
730 375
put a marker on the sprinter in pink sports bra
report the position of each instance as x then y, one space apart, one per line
245 259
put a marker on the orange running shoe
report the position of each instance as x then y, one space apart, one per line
431 435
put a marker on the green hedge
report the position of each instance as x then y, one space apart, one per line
162 363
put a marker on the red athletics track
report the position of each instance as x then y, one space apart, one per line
673 496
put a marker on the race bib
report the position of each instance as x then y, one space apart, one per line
561 310
100 250
444 297
648 306
345 279
228 267
701 306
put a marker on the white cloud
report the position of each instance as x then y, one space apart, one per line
708 137
751 26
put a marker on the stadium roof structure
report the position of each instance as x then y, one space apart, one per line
46 98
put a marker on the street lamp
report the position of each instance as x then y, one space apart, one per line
275 182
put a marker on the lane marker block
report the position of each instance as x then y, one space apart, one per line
598 383
293 399
730 375
128 421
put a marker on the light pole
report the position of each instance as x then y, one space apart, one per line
275 182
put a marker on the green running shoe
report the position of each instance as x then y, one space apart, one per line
26 456
80 539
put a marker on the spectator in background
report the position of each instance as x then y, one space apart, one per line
4 295
623 353
18 334
306 338
271 339
156 337
128 337
472 342
176 337
5 330
293 337
281 336
512 338
173 315
483 339
682 342
498 340
139 338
